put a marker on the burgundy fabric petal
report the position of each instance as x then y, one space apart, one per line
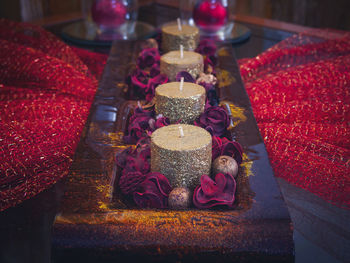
153 83
161 122
143 148
136 164
153 192
148 57
155 70
129 182
233 149
214 193
187 77
206 47
138 125
146 77
216 147
216 118
162 182
139 78
209 187
223 146
122 156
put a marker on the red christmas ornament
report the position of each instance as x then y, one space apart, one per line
108 13
210 15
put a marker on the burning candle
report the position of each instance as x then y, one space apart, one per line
173 62
180 102
175 34
182 159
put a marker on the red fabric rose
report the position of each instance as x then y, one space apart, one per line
161 122
136 164
187 77
215 120
148 57
143 148
208 48
223 146
154 71
139 78
122 156
153 83
153 192
138 125
214 193
130 181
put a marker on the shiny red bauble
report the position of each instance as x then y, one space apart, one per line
210 15
108 13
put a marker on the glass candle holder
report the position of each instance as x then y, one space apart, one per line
210 16
112 15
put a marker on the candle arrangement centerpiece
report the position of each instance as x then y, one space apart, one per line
182 154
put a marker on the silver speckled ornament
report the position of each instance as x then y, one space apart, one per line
225 164
180 198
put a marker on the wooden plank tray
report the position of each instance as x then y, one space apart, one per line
95 224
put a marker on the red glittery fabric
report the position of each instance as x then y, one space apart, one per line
46 91
300 94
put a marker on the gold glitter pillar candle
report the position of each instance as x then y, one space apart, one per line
172 63
180 102
182 153
173 37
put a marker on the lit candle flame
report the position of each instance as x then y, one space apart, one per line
181 132
181 83
139 104
179 24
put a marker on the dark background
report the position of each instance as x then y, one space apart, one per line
312 13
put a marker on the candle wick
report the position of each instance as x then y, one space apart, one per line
179 24
181 132
181 51
181 83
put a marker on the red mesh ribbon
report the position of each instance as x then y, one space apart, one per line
300 94
45 95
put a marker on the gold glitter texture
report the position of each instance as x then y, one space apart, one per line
225 78
183 160
172 37
185 105
171 63
236 113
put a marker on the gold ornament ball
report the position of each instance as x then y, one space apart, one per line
179 198
226 165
